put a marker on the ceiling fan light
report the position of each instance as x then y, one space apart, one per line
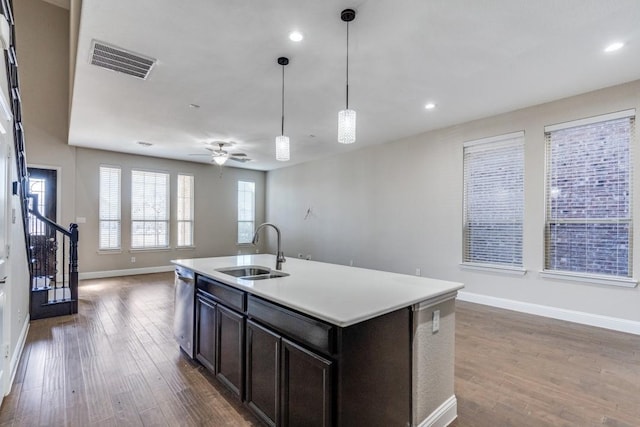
220 160
346 126
282 148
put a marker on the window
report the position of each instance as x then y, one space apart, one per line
185 210
38 187
109 234
588 195
246 211
149 210
494 200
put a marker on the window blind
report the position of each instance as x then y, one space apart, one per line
149 209
109 233
185 210
494 200
588 196
246 211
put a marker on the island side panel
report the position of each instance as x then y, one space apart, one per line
374 378
434 400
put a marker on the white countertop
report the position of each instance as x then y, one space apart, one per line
337 294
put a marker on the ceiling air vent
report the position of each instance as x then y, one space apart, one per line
123 61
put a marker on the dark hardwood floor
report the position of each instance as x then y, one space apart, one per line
116 363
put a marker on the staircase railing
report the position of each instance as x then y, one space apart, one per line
54 291
48 242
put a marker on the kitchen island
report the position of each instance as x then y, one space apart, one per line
327 344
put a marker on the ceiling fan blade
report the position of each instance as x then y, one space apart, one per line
240 159
199 154
238 154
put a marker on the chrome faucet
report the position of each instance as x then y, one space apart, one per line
280 256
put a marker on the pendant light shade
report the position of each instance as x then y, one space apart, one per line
346 126
282 148
282 141
347 117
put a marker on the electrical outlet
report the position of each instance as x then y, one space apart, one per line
133 259
308 257
418 272
436 321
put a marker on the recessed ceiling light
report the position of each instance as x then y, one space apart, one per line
145 144
430 106
295 36
614 46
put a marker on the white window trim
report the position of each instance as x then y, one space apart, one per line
491 139
598 279
494 268
591 120
119 248
109 251
193 211
168 221
244 244
152 249
497 141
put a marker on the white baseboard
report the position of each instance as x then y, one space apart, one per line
17 354
607 322
125 272
443 415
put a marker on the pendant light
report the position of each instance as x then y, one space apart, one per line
282 142
347 117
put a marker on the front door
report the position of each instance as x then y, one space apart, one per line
43 183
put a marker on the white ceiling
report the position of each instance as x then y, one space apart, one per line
472 58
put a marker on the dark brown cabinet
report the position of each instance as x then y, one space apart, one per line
292 369
263 373
289 375
307 387
230 348
205 332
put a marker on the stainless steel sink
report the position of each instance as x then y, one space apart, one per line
272 275
252 272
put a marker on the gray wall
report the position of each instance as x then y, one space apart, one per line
215 209
398 207
43 55
42 32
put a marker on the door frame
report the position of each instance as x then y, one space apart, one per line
58 170
6 154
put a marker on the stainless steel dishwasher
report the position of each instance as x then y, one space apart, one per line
183 309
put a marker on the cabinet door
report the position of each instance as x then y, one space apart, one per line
263 371
206 332
230 349
307 387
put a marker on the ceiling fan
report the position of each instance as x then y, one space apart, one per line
220 156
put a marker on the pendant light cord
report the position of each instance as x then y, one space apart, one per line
282 124
347 65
